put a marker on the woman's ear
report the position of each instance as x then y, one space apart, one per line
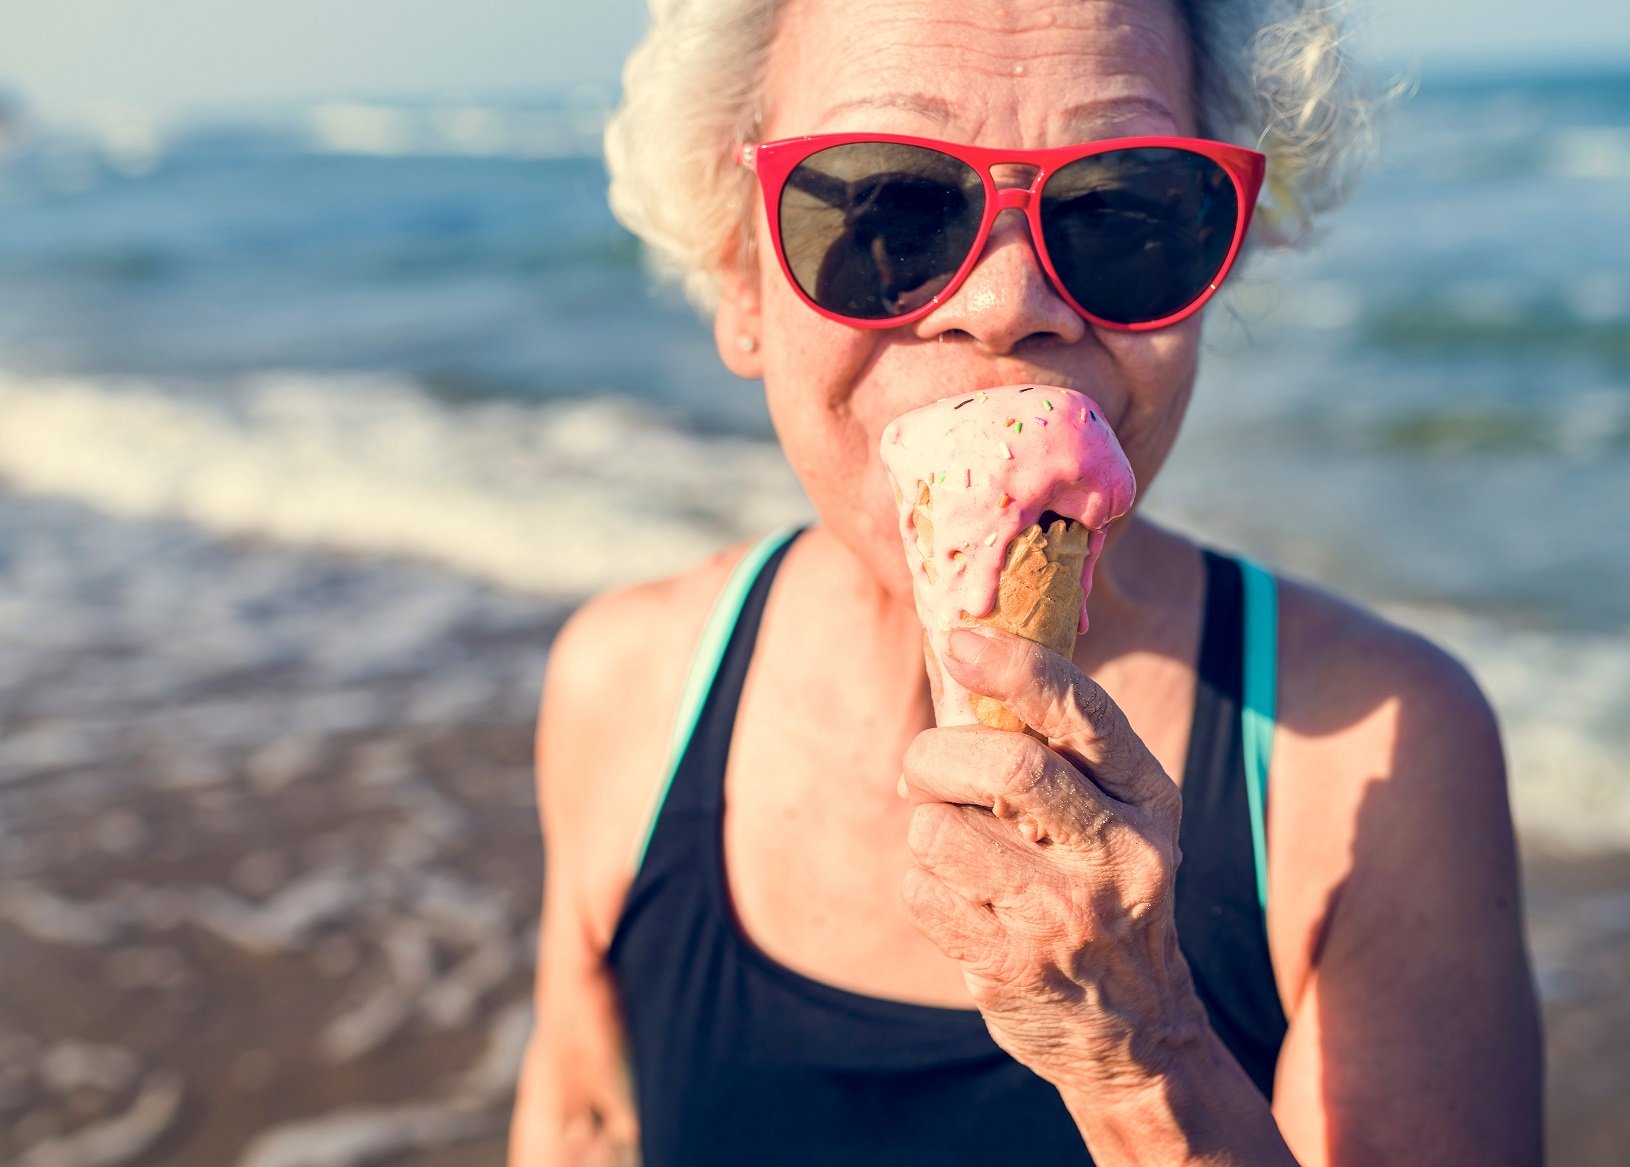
736 323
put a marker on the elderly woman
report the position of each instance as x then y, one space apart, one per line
788 920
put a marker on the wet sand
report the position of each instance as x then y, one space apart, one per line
269 861
269 866
1579 934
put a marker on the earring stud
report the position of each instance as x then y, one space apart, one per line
746 344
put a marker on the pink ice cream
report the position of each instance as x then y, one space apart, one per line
995 461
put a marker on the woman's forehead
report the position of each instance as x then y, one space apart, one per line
1021 74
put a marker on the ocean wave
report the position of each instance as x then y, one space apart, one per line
1585 425
1497 321
1590 152
483 131
560 498
567 498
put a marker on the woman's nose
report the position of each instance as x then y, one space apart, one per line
1007 298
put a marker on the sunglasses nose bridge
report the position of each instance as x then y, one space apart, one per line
1012 198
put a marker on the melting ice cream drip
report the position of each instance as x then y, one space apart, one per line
972 472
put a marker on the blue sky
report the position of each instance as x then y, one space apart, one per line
72 58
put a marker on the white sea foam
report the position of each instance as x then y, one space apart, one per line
532 497
351 127
1600 152
561 499
118 1140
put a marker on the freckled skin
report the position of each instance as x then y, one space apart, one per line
841 65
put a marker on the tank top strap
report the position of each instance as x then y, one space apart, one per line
1235 705
1220 903
718 669
1259 706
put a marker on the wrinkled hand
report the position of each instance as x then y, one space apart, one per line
1048 870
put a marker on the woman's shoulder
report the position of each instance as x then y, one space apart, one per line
1339 664
1343 665
1373 707
620 661
652 625
1387 771
616 672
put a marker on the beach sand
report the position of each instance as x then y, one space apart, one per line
269 858
1579 932
269 864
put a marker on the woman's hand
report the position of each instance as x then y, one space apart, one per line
1048 871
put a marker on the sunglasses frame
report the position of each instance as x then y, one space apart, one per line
774 161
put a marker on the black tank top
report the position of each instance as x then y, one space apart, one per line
737 1059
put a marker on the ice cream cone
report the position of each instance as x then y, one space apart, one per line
1005 497
1038 597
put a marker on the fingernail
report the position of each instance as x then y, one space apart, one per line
966 645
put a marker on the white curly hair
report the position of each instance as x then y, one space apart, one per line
1275 75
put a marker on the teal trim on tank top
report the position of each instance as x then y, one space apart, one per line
721 622
1260 706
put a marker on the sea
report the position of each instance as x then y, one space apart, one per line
412 333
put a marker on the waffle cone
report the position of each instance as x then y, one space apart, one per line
1038 594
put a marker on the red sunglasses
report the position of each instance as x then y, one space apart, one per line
876 230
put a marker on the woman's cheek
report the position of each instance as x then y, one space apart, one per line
1158 371
812 376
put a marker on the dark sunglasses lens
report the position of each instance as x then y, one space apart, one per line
873 230
1139 234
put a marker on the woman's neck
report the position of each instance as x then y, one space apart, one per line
1142 581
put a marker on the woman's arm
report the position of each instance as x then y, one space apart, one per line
573 1103
1414 1040
574 1106
615 675
1414 1032
1046 865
